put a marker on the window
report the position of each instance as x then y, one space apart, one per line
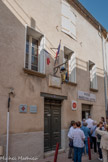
93 76
70 59
68 20
35 57
32 63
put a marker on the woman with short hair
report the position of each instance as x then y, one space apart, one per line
78 142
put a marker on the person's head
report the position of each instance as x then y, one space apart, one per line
94 123
78 124
83 120
100 124
102 119
85 124
72 122
74 125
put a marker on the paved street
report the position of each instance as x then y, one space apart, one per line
63 158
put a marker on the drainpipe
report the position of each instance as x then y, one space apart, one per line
105 68
7 141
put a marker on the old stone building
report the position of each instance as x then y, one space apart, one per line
44 103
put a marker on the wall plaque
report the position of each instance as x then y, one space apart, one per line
86 96
23 108
74 105
54 81
33 109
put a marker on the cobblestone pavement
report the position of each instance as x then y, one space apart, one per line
63 158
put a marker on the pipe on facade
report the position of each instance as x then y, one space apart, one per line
7 139
104 66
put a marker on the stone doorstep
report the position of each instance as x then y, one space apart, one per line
51 153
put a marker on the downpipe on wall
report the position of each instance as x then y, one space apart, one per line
105 69
7 138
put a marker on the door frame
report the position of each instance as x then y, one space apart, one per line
51 105
91 107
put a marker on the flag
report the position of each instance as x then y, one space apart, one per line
57 53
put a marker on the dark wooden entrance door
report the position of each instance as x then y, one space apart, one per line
52 124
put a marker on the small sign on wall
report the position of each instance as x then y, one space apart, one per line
23 108
54 81
33 109
74 105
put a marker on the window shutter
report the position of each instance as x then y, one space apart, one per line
68 20
93 77
72 69
72 24
65 17
41 62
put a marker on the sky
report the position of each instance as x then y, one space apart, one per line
98 9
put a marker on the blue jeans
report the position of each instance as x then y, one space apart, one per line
77 154
85 146
99 150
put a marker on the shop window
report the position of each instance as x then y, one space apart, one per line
68 20
35 57
93 75
70 59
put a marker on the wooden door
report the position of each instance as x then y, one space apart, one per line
52 124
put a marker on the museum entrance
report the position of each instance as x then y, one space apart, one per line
86 111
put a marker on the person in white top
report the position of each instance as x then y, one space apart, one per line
78 142
71 129
104 143
89 122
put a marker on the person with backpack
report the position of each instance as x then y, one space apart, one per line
86 131
71 129
100 125
93 136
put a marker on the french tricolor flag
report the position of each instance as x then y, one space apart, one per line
58 50
57 53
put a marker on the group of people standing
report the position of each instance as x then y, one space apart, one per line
78 139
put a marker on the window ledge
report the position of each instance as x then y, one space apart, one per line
94 90
35 73
70 83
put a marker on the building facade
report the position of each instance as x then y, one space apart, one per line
48 94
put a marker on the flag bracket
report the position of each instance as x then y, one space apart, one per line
54 48
56 68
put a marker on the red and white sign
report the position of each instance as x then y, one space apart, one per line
74 105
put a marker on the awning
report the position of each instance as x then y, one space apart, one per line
35 34
67 53
53 96
91 64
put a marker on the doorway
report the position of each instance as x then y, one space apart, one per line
52 124
86 111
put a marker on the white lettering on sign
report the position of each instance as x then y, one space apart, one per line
33 109
86 96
